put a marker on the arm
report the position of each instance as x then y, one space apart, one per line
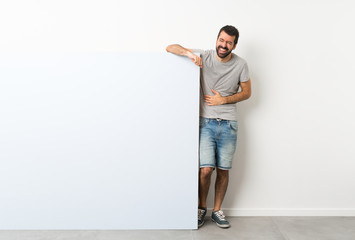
217 99
179 50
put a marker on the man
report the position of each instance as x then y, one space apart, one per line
222 74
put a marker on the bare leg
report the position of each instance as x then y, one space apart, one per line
204 185
220 188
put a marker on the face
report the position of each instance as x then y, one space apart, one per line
225 45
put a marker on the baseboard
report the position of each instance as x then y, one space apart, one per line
344 212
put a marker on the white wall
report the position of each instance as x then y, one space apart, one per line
295 154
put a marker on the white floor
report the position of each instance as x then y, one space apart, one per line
253 228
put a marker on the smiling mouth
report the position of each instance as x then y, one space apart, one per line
223 50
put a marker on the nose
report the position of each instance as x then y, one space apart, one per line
224 44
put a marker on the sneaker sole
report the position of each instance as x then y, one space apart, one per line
220 225
200 225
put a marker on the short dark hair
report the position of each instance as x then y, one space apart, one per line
231 31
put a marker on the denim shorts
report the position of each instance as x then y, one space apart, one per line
218 141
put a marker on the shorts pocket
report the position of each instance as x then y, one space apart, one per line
203 122
233 125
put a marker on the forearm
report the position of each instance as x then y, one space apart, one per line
244 94
179 50
238 97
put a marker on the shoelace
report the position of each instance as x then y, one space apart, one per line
220 215
200 213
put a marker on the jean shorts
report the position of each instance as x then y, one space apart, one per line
218 141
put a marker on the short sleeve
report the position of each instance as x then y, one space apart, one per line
244 76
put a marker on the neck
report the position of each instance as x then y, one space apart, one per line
226 59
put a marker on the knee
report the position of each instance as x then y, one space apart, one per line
206 172
222 173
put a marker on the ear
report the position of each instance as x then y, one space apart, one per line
234 46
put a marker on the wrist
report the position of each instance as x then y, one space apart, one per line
189 54
224 100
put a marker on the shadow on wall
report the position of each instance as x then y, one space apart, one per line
240 162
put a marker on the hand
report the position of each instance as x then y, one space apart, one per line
214 100
195 59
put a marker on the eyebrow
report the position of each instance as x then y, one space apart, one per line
226 41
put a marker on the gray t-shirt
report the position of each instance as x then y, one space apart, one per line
223 78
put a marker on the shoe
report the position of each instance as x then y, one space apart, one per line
219 218
201 216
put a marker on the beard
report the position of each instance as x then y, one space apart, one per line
222 55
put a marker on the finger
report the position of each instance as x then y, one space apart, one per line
199 60
215 92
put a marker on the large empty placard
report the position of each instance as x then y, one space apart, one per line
98 141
